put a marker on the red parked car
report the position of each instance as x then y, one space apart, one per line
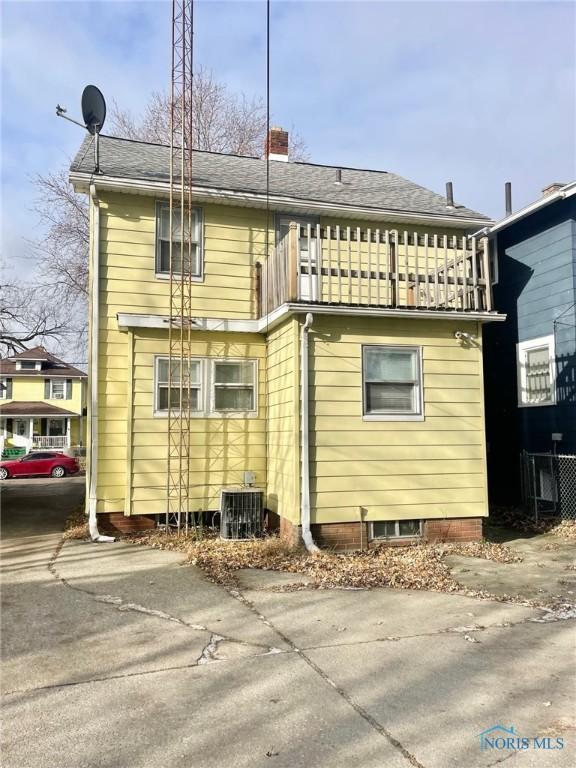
40 463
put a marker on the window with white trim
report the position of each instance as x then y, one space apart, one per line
396 529
57 389
192 261
536 372
28 365
170 390
233 385
392 382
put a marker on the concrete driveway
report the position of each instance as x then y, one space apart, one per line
116 656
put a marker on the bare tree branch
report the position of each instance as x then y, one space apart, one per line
223 122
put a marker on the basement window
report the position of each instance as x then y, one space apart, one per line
192 224
392 383
396 529
170 390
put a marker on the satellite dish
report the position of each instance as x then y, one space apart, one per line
93 109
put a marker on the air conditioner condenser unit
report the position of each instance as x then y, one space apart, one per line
241 511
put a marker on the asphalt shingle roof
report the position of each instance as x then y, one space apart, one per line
303 181
51 365
27 408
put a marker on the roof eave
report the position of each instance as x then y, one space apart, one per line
543 202
82 181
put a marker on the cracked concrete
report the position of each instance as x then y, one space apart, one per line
116 655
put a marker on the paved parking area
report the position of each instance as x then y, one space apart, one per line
116 655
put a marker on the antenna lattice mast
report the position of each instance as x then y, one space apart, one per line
182 257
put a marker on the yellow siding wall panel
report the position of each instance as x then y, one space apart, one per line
395 469
283 421
222 448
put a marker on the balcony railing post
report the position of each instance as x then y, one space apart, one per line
487 275
258 287
293 237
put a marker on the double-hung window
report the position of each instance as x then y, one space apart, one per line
174 390
536 372
233 386
392 382
192 225
57 389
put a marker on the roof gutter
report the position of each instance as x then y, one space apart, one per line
255 199
562 194
95 535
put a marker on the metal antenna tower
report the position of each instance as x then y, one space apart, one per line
181 257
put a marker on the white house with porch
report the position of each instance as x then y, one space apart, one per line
42 402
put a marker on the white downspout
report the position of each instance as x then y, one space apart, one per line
95 535
304 439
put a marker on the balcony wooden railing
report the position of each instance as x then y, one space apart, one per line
373 267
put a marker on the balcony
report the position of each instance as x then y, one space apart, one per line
376 268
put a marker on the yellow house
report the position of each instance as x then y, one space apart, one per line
336 335
42 402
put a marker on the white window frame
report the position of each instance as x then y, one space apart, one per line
164 413
397 535
52 394
206 396
234 414
522 349
196 278
418 413
37 365
3 387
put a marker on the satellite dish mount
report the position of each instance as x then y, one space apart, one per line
93 114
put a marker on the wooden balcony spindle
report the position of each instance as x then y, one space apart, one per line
293 289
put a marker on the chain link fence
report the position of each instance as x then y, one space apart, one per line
549 484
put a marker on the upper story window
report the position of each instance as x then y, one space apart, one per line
28 365
193 260
392 383
536 372
57 389
5 389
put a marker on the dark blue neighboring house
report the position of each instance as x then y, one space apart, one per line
529 361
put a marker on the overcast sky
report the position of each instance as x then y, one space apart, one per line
476 92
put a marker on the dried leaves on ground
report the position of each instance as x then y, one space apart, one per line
76 526
419 566
514 517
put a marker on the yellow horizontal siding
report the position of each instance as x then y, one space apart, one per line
395 469
282 415
222 448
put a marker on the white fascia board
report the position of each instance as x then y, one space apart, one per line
263 325
129 320
419 314
562 194
80 181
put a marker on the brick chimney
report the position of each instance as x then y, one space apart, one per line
276 146
551 188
